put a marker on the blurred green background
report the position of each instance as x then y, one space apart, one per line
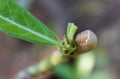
100 16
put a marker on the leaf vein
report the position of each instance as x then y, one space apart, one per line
29 30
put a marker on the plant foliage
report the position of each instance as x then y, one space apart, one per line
17 22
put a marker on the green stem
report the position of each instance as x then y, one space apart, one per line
55 59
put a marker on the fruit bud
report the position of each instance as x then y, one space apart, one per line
86 41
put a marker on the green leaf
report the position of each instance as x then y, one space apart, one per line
71 30
17 22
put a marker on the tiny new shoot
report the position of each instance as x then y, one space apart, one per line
68 43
